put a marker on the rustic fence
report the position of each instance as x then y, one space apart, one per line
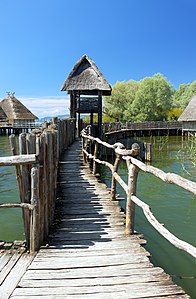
36 159
90 147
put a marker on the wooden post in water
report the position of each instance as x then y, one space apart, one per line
130 205
115 169
148 151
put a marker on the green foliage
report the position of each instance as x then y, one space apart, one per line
183 95
148 99
174 113
123 94
153 99
105 118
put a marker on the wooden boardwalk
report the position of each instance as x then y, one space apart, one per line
88 255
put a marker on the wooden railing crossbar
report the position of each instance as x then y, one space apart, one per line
17 160
17 205
134 165
169 177
182 245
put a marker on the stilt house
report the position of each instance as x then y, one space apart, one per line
86 86
15 114
188 118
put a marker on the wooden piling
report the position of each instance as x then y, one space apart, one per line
148 151
26 185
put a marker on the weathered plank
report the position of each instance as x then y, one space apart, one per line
15 274
80 262
109 271
4 259
91 281
117 295
136 290
92 251
6 270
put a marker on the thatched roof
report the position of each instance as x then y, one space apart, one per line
86 78
3 116
14 109
189 114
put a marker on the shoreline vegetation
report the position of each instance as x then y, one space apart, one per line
152 98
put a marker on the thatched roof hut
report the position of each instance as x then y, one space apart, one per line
189 114
86 78
15 110
188 117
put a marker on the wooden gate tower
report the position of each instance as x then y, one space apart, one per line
86 86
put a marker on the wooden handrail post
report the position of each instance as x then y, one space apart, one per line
95 155
25 186
130 205
115 169
83 147
34 219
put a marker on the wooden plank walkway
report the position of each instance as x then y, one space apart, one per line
13 265
88 255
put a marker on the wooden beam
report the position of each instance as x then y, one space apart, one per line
99 112
17 160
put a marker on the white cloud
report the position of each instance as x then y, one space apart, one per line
47 105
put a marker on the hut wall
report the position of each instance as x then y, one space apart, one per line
189 125
23 122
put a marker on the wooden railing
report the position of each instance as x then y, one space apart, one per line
147 125
36 164
90 147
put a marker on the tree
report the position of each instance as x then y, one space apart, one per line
153 99
148 99
183 95
118 104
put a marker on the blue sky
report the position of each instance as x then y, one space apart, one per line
41 40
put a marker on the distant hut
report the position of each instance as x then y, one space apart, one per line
188 118
86 79
16 113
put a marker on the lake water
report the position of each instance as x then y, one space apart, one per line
11 225
173 206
